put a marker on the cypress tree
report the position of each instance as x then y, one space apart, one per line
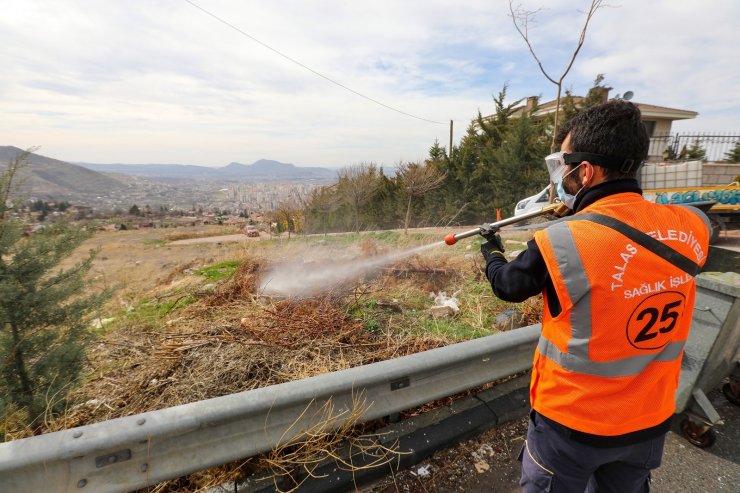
43 308
519 171
733 155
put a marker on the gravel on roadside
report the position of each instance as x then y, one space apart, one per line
488 463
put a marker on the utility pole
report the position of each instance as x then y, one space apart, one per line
449 153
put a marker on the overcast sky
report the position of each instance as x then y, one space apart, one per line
160 81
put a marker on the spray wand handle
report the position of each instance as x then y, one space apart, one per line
556 209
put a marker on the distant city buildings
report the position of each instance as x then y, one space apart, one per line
190 201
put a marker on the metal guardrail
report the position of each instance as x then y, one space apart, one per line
713 346
128 453
135 451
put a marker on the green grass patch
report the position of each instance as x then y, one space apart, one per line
150 310
392 237
367 312
455 328
332 239
154 242
420 237
412 299
478 310
398 238
220 271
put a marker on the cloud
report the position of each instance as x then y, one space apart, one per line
162 81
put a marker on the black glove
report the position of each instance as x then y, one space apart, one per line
493 244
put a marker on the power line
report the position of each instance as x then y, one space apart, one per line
307 67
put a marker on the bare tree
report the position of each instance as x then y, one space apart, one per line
357 186
417 179
290 214
522 19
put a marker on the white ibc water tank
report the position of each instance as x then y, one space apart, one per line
663 175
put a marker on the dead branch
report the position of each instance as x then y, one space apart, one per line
522 18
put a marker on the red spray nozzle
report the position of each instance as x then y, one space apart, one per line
450 239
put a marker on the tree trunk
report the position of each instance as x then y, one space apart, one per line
20 370
357 217
408 217
557 115
554 135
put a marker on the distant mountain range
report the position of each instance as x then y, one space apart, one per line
263 170
108 186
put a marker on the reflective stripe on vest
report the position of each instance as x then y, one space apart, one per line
579 290
624 367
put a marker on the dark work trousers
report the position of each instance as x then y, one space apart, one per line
553 463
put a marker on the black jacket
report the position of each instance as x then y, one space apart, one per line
527 276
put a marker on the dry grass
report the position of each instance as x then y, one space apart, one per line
336 437
137 261
232 340
202 232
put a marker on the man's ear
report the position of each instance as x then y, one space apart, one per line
589 172
593 174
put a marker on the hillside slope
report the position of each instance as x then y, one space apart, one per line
44 177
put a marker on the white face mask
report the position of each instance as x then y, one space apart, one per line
566 198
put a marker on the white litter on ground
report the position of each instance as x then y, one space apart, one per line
441 300
483 451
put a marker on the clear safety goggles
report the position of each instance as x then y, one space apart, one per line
556 166
558 161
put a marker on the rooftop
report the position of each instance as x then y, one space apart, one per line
648 110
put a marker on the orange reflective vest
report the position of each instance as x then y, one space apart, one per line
609 362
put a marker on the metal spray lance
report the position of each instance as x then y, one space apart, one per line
554 209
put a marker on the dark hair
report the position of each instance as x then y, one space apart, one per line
612 129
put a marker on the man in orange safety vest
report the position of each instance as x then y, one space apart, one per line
617 277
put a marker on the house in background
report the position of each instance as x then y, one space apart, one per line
657 119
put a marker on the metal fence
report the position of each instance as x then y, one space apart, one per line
691 146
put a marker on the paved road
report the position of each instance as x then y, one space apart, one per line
729 240
685 469
219 239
